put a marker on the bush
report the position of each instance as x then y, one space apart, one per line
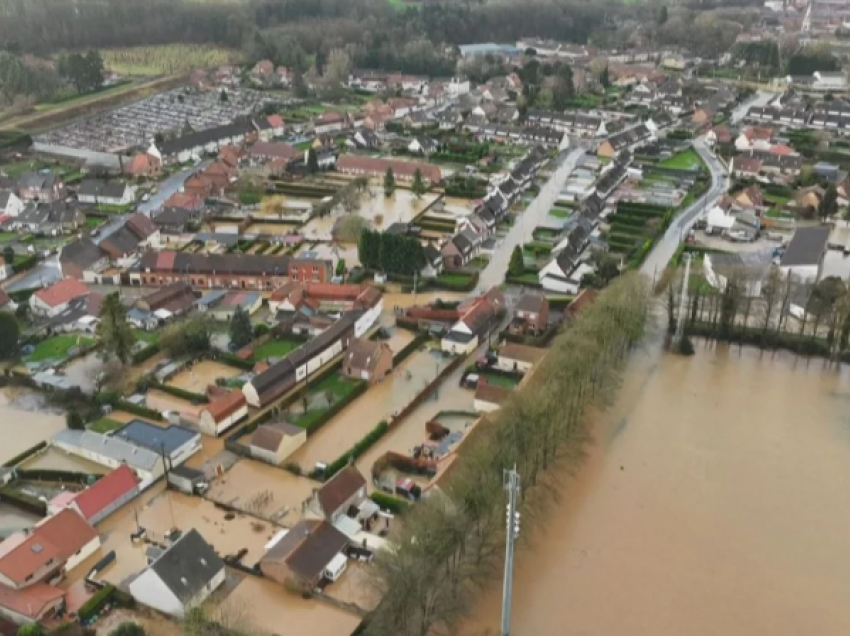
145 354
61 476
409 348
9 494
260 330
234 361
28 262
137 409
195 398
357 450
390 503
96 602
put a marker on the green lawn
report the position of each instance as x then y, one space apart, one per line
336 386
454 278
104 425
57 347
7 236
561 213
147 337
277 348
115 209
687 160
497 379
776 199
91 223
529 277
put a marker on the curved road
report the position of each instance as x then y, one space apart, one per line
666 246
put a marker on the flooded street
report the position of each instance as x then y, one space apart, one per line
713 502
25 420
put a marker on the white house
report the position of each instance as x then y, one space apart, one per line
518 358
718 221
557 274
52 301
181 577
6 269
100 192
10 204
457 86
223 412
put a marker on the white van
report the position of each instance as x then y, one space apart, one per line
336 567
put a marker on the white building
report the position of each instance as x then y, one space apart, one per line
10 204
518 358
52 301
98 191
181 577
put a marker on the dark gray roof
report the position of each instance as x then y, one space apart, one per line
807 247
82 252
173 216
121 241
4 199
101 188
204 137
188 566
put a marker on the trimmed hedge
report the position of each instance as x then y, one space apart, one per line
180 393
369 440
388 502
145 354
61 476
17 459
234 361
23 295
141 411
12 496
358 390
96 602
28 262
409 348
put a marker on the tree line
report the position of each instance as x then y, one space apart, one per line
390 253
451 545
24 81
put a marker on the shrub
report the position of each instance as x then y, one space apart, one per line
357 450
17 459
11 495
61 476
388 502
137 409
234 361
197 398
97 601
145 354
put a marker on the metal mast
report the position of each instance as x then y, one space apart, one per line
512 486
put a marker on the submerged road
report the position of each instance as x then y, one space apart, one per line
524 224
667 245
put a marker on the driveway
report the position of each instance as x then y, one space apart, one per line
667 245
524 223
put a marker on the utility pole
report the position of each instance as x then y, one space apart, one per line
683 300
512 486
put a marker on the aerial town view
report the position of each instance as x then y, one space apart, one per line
424 317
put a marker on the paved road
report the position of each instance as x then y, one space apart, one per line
168 187
666 246
43 274
534 214
761 98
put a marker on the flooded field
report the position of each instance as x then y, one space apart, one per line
12 518
272 229
378 403
56 459
159 511
263 490
411 431
409 300
273 610
25 420
201 375
714 502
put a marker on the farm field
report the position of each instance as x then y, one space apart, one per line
166 59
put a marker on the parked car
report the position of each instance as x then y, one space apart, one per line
471 381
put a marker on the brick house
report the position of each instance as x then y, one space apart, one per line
532 314
310 271
372 167
368 360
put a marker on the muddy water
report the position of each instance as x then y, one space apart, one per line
202 375
714 502
25 420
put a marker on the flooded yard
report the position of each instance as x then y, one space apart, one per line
263 490
273 610
13 518
56 459
272 229
399 339
25 420
84 371
201 375
378 403
164 402
161 510
714 502
355 586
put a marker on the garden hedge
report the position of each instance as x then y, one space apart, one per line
195 398
395 505
92 606
234 361
17 459
335 408
141 411
409 348
10 495
352 454
61 476
145 354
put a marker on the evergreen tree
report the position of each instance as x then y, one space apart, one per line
9 255
74 420
516 266
222 96
605 78
389 183
9 333
114 331
418 186
829 203
241 331
312 161
662 15
299 87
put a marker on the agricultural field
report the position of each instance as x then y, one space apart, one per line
168 59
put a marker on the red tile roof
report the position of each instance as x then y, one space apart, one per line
184 201
275 121
62 292
106 490
67 531
31 601
226 405
377 167
26 555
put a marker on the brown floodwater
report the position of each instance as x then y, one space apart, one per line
714 502
25 420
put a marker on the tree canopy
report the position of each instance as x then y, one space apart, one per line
116 335
391 253
128 629
9 334
186 337
241 330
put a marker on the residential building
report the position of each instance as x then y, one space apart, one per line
176 443
804 257
531 314
329 122
101 192
180 578
222 412
10 205
53 300
222 305
272 150
573 123
100 499
143 164
273 443
38 186
477 318
342 491
51 218
624 140
82 259
518 358
301 556
194 145
370 360
373 167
